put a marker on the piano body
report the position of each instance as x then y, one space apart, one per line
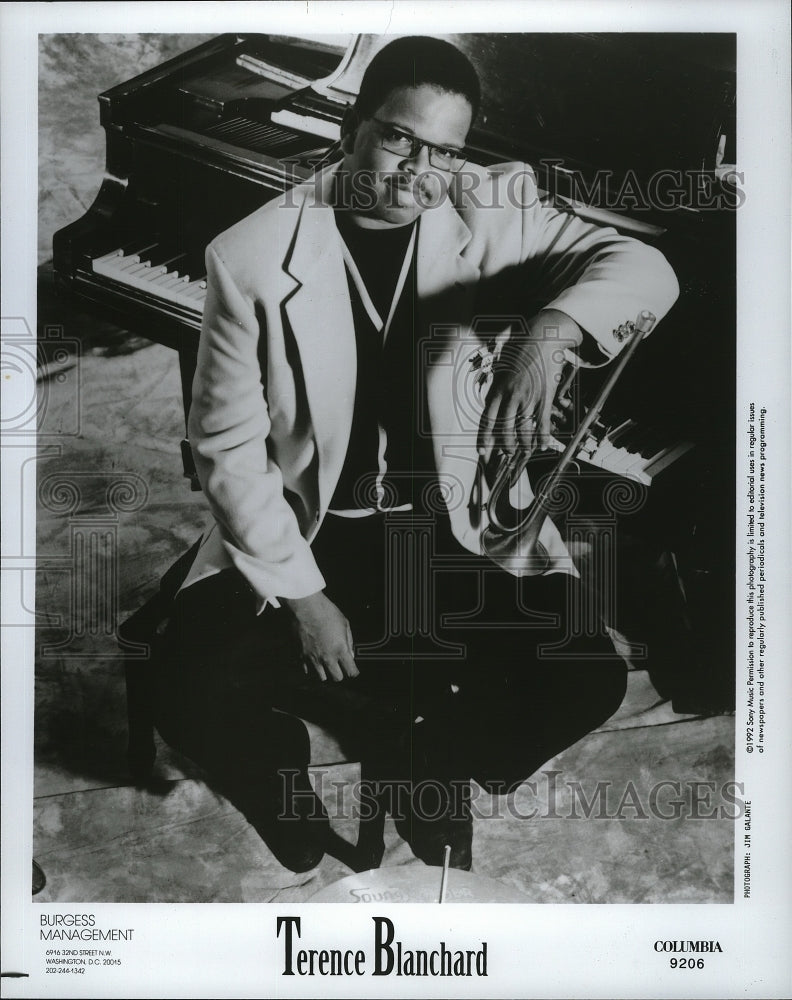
622 129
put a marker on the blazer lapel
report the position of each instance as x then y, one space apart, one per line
447 283
320 317
443 271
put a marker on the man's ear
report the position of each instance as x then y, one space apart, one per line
349 127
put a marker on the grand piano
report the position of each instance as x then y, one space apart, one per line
629 130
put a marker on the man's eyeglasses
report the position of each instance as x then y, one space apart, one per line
404 144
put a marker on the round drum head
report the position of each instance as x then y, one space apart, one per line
417 884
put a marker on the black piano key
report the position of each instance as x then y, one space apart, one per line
162 253
135 258
637 439
136 246
616 434
160 269
652 442
177 262
194 264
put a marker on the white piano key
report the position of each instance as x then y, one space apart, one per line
619 460
144 282
600 454
196 289
134 273
109 256
190 295
163 276
642 461
168 280
123 263
150 275
112 268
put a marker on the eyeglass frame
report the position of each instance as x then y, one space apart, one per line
417 144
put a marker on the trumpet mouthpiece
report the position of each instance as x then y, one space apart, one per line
646 320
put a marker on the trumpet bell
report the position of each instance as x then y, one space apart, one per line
513 531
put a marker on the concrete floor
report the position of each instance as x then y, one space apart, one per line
112 415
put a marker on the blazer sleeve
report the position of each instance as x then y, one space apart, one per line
592 273
228 428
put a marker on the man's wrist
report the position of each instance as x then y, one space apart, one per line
299 604
555 326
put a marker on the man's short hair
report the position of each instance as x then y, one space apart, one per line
416 60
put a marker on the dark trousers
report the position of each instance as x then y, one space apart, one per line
466 671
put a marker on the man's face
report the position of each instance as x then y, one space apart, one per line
394 188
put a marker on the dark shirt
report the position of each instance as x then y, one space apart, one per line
389 390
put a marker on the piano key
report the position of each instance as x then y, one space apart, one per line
145 280
124 263
159 281
168 280
601 452
642 438
670 455
166 266
141 252
134 267
196 263
125 250
196 289
643 453
612 458
162 254
639 444
620 431
189 294
180 260
587 448
153 274
653 436
649 445
182 282
621 461
196 304
106 258
115 264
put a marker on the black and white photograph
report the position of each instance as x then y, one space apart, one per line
402 503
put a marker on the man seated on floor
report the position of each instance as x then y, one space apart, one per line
344 436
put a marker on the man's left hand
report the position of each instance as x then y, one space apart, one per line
519 407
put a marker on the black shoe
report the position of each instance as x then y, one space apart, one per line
439 816
293 821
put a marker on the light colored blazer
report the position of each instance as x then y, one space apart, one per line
274 388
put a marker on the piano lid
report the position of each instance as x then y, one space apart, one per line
622 103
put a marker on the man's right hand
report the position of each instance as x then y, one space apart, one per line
324 636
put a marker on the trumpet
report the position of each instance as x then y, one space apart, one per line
499 535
